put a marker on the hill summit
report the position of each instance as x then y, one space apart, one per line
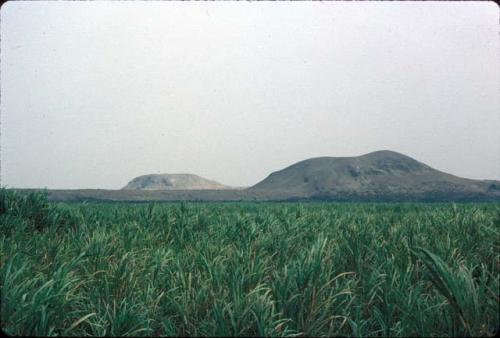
173 182
382 174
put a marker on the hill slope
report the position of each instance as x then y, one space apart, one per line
173 182
384 174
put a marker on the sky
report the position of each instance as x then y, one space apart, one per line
94 94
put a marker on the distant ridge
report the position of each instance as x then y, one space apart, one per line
173 182
381 173
380 176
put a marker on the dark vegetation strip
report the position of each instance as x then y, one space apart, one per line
101 195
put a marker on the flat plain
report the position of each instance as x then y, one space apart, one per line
248 268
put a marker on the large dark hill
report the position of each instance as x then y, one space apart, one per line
385 175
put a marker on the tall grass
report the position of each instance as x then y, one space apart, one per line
248 269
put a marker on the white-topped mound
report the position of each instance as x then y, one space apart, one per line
173 182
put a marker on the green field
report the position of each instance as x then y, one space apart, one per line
248 269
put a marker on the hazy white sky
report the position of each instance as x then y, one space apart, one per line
96 93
